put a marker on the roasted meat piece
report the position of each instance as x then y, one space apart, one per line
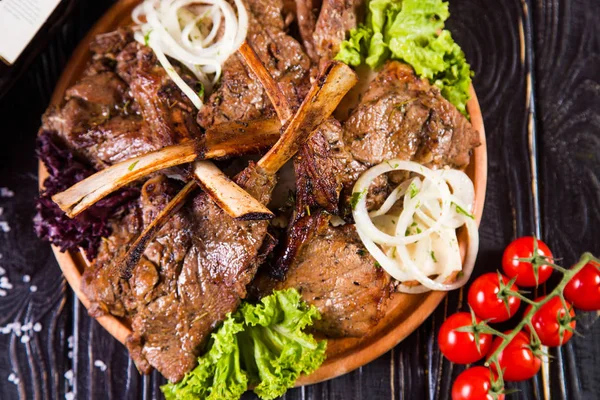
333 271
189 278
240 96
402 116
335 20
124 106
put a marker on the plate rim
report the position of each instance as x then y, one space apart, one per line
71 263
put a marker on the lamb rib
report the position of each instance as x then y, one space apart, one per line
238 204
221 141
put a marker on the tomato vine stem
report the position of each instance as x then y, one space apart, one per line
568 274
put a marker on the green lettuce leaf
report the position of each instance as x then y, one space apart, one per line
262 345
352 50
412 31
218 374
281 349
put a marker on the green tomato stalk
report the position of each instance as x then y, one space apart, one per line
568 274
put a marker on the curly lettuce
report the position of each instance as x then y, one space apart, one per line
264 346
412 31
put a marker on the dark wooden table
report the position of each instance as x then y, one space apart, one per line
537 74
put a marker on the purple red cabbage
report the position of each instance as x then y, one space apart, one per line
88 228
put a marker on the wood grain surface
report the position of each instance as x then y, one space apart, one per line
537 68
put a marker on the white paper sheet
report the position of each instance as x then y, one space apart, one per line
19 22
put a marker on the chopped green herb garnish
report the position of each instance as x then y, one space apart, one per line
433 256
356 196
147 37
462 211
361 252
377 265
132 166
413 190
394 166
201 91
410 231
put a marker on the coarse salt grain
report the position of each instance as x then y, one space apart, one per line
2 271
2 293
4 227
70 342
37 327
100 364
26 278
69 375
25 339
33 288
13 378
69 396
6 192
27 327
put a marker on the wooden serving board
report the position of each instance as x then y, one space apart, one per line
404 313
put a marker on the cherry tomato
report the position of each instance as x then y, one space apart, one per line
583 290
523 248
550 320
460 347
474 384
485 302
517 359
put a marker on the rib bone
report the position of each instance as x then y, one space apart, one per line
322 99
87 192
223 140
234 200
278 99
136 250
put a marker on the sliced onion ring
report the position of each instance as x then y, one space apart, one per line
434 202
170 27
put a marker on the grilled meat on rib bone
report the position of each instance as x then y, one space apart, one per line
143 76
239 98
199 283
239 204
223 140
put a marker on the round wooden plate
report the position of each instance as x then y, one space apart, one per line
404 313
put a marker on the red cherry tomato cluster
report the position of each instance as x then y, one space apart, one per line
466 338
